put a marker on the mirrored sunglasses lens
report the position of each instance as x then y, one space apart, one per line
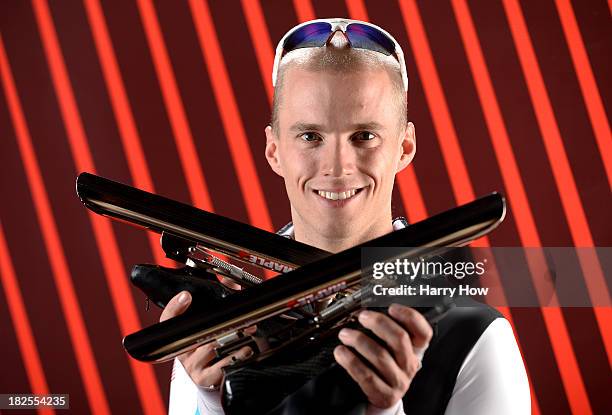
309 36
370 38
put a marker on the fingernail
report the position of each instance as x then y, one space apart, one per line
394 308
365 316
344 334
184 298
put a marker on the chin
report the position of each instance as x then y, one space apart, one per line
336 228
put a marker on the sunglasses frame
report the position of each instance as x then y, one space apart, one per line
339 24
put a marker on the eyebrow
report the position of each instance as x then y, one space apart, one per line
372 125
303 126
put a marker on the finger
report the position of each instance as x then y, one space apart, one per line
250 330
177 305
377 355
394 335
413 321
199 358
211 376
377 391
234 358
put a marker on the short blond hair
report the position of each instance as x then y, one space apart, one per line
340 59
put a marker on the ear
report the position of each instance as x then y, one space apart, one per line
272 151
408 147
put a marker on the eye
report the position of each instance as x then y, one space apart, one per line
310 137
363 136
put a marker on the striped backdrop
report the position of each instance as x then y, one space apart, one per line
173 97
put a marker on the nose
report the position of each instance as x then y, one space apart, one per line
338 159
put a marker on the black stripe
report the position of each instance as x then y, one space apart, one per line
591 355
329 8
571 116
280 17
517 111
143 89
593 17
464 105
26 247
201 108
540 361
15 378
428 163
238 51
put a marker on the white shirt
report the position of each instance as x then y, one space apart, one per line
492 379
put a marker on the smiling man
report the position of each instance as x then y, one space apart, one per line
338 137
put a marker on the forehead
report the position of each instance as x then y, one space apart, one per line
337 99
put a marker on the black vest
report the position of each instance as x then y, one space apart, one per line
333 391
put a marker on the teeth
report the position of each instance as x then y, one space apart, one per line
337 195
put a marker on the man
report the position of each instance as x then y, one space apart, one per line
339 135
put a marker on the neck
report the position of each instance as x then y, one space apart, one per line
341 241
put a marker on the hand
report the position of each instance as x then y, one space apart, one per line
196 362
407 335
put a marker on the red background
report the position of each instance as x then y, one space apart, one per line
173 97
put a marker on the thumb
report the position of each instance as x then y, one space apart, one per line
177 305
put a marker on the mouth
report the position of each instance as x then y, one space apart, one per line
340 196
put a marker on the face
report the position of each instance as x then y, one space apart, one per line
338 147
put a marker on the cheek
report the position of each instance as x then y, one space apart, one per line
298 165
379 165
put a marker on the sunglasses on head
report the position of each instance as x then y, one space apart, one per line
360 35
